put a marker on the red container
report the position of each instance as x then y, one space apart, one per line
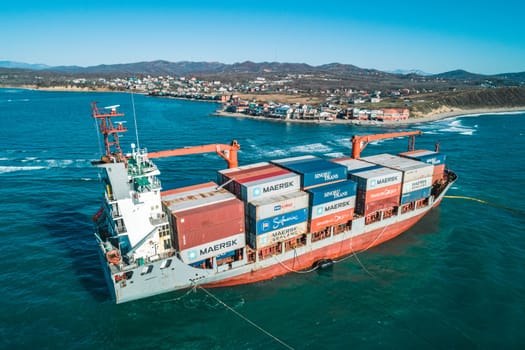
188 189
208 223
250 174
439 172
380 193
323 222
254 176
364 207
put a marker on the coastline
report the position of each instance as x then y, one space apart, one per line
433 116
441 113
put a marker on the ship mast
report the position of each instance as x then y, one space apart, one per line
110 132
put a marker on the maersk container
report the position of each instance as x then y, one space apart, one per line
332 207
277 205
232 179
272 186
207 223
316 171
323 222
415 195
272 237
262 174
212 248
331 192
415 185
412 169
377 178
278 222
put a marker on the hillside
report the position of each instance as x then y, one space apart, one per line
471 99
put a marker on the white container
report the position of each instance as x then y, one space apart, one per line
214 248
277 205
271 186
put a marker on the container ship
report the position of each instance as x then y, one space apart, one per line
256 221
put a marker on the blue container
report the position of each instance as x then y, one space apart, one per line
415 195
429 158
279 221
332 192
317 171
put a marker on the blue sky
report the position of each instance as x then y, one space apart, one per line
478 36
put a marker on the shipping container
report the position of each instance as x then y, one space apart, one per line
277 222
377 178
203 224
415 185
271 186
331 192
316 171
323 222
364 206
439 172
272 237
272 171
412 169
187 189
232 172
380 193
232 179
194 197
415 195
332 207
213 248
277 205
294 160
429 157
354 165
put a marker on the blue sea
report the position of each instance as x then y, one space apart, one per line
454 281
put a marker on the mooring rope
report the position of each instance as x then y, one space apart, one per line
517 211
246 319
193 289
292 269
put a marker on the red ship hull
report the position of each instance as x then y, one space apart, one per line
333 251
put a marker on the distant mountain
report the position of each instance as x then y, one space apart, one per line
463 75
460 74
217 69
410 71
22 65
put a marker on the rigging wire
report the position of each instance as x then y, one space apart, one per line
135 120
98 136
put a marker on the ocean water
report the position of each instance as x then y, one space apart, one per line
455 280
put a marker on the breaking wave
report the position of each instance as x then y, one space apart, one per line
10 169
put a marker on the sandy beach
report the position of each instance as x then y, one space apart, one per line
437 115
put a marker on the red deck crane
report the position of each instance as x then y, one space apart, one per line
360 142
227 152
